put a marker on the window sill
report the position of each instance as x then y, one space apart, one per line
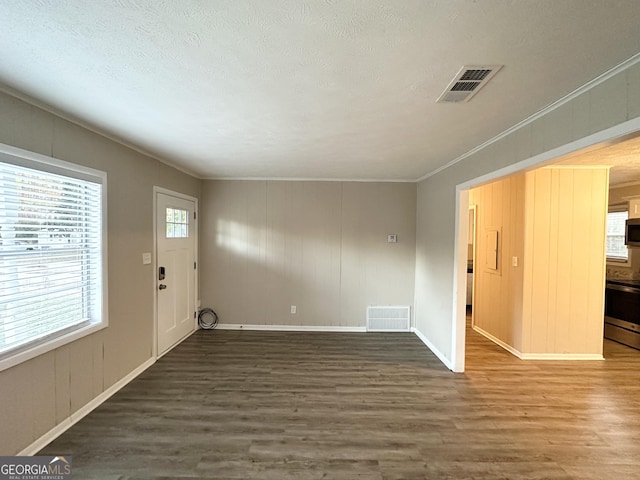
619 263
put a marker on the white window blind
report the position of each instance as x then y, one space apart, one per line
50 255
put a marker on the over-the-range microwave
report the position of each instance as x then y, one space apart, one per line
632 233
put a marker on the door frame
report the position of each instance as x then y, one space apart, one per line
165 191
473 210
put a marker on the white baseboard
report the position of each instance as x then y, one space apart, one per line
430 346
497 341
538 356
290 328
75 417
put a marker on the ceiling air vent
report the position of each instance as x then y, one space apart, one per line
467 82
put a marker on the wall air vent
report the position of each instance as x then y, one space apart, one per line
389 318
467 82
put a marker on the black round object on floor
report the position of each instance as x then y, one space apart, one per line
207 319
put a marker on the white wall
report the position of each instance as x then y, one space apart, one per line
613 101
321 246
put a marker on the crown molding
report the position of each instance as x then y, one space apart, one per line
12 92
541 113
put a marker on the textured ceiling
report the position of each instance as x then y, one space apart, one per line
305 89
623 157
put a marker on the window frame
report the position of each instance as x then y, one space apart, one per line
613 261
36 161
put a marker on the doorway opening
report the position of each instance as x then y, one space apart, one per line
471 256
566 153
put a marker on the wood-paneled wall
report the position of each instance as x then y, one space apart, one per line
564 261
498 296
41 393
321 246
551 220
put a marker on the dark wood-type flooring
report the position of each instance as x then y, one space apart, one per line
279 405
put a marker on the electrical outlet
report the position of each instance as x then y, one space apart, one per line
514 261
293 309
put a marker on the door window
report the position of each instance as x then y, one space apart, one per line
177 223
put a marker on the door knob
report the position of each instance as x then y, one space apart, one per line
162 287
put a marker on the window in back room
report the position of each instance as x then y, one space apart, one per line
617 251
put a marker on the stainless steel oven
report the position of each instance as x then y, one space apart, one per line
622 312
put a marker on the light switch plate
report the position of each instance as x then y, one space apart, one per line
146 258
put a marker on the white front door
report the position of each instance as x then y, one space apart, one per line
176 274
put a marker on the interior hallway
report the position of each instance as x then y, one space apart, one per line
282 405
